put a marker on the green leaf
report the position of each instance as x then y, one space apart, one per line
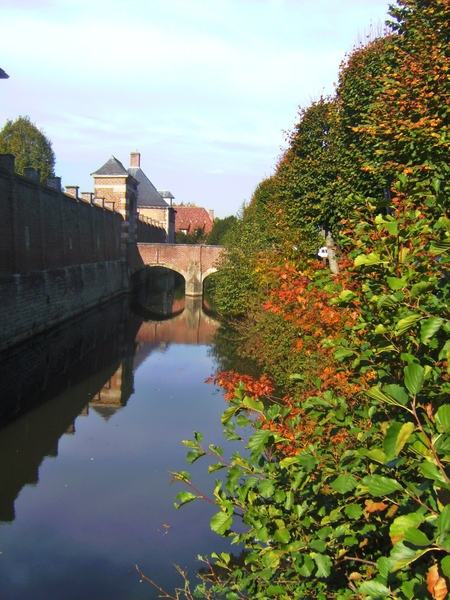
445 566
344 483
443 522
404 324
253 404
324 565
181 476
418 289
318 545
431 471
397 392
376 454
392 227
440 247
194 455
375 589
288 461
266 488
216 449
221 523
282 535
190 443
382 486
307 461
429 327
416 537
353 511
258 440
216 467
379 329
307 568
401 524
275 590
395 283
184 498
443 418
378 394
396 437
198 436
272 559
387 301
414 375
369 259
346 295
342 353
403 556
229 413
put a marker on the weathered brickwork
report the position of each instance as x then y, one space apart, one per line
59 254
36 301
194 262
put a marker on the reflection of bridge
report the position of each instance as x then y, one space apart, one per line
193 262
192 326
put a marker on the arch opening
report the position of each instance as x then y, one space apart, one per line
157 293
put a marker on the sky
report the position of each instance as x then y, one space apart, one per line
205 90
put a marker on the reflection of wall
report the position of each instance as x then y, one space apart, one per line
85 364
65 372
46 365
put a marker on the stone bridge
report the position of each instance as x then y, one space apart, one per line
193 262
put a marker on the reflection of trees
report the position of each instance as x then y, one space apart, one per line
225 351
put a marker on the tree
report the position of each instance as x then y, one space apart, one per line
29 145
220 228
195 237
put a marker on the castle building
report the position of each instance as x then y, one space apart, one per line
152 203
132 194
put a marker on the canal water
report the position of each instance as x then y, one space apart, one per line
85 489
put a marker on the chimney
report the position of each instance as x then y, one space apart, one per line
135 159
72 190
7 162
32 173
54 182
87 196
211 214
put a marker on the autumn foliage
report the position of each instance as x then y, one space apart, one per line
345 488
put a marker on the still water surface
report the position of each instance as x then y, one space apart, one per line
85 492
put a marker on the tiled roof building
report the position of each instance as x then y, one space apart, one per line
190 218
150 202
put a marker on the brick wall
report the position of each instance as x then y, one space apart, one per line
59 254
42 228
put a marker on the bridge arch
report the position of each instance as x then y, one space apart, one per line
193 262
165 265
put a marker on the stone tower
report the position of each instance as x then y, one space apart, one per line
114 184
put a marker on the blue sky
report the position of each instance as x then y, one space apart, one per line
204 89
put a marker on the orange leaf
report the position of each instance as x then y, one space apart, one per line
437 585
372 507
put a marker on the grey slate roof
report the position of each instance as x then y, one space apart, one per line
112 167
147 193
166 194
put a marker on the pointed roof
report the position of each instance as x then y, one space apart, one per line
112 168
148 194
166 194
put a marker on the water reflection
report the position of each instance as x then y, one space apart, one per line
84 484
86 364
